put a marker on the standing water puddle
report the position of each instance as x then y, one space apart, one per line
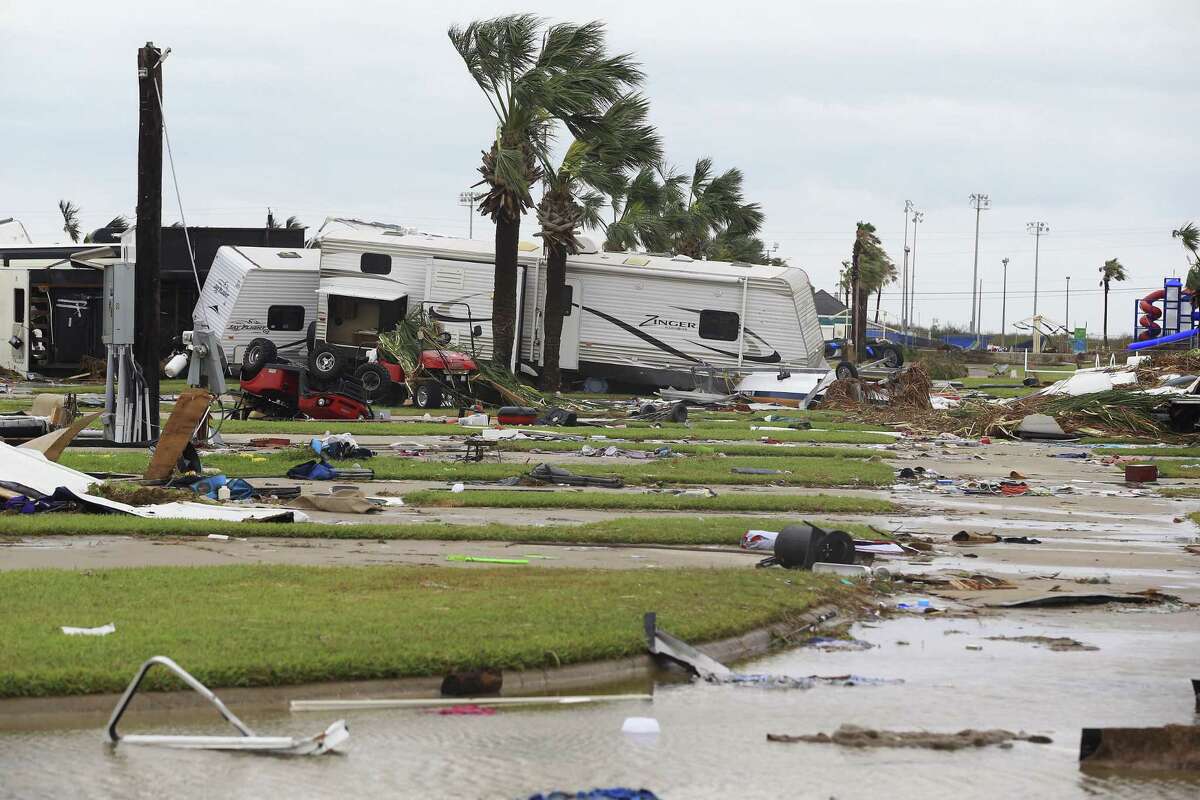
713 741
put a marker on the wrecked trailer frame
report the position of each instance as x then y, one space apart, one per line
247 739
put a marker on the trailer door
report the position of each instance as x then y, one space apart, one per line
568 349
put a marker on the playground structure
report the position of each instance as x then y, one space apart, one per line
1174 323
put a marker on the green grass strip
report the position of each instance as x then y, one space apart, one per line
285 625
1169 469
715 432
644 529
1162 452
1181 492
727 448
691 470
732 501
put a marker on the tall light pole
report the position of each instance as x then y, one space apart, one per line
1067 313
908 208
979 202
467 199
917 218
1004 306
979 316
1037 230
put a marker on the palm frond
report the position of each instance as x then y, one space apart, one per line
70 215
293 223
1189 235
118 224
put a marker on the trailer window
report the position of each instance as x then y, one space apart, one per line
285 318
18 305
375 263
720 325
568 299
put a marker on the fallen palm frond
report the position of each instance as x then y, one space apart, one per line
510 387
419 331
416 332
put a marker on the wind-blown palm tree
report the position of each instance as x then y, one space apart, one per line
531 78
866 254
292 223
70 215
1189 236
1111 271
638 202
111 232
709 206
572 199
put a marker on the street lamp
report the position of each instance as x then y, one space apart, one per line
1067 313
1037 230
908 208
979 202
1004 305
468 199
917 218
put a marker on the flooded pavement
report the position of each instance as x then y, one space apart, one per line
713 740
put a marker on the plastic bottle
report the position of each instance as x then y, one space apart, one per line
223 493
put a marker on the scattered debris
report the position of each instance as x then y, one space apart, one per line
1059 644
103 630
640 726
437 702
1170 747
247 740
856 736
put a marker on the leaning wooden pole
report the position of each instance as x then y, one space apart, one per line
148 240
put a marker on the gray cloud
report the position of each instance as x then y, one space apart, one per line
1073 112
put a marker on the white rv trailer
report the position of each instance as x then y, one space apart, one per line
634 318
259 292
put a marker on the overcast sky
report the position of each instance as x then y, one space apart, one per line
1080 114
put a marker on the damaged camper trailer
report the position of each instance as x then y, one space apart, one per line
634 318
260 293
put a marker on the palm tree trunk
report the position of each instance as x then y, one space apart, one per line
504 303
556 284
878 296
858 310
1106 315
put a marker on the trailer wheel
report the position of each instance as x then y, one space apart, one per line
375 381
325 363
310 336
893 357
845 371
429 395
259 353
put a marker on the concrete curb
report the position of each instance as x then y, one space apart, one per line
24 713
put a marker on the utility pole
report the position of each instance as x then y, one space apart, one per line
148 237
979 202
467 199
908 208
1037 230
1004 306
917 218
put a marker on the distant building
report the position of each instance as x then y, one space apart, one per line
833 315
